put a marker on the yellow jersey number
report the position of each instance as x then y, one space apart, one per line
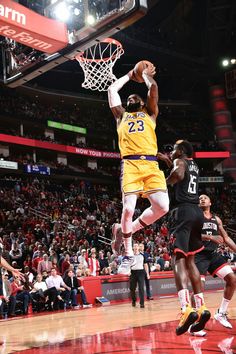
137 126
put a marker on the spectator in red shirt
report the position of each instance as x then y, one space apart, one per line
36 261
65 264
164 230
166 255
20 294
94 265
28 262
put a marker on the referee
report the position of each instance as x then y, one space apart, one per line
137 276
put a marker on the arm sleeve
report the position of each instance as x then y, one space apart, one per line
113 96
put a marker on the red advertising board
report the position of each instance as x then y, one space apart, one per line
58 147
91 152
29 28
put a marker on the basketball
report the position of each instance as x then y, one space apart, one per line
138 69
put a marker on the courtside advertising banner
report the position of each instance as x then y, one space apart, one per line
90 152
31 29
58 147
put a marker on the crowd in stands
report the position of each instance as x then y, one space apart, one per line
60 234
79 113
176 121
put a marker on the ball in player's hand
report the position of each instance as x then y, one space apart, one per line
138 69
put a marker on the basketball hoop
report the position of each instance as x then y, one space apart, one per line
97 63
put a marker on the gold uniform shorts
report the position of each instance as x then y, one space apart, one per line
141 177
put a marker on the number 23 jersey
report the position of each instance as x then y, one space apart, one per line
136 133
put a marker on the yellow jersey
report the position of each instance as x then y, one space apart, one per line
136 134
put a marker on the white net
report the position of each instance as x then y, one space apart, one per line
97 63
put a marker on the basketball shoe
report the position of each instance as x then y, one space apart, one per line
126 264
203 316
188 317
197 334
222 319
117 239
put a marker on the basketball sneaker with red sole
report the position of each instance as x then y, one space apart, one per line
188 317
203 317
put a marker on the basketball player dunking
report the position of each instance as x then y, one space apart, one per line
140 174
187 225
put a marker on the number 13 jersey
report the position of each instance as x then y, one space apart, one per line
186 191
136 133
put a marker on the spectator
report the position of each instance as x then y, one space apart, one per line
82 259
65 264
35 262
103 262
71 281
45 264
56 281
93 264
9 300
40 293
20 294
16 254
28 275
28 262
81 288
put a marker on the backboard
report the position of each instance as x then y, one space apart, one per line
88 22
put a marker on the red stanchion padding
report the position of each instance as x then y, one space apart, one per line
92 288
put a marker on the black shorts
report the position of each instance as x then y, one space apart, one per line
209 261
187 222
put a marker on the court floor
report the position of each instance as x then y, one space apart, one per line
118 328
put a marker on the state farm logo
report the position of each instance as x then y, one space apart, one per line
22 37
30 28
12 14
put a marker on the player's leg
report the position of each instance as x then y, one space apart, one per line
129 203
226 273
123 231
196 246
202 262
158 208
131 185
188 315
155 190
195 278
183 219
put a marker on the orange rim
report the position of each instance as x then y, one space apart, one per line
80 57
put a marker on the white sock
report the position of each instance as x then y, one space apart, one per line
199 300
224 305
184 298
128 246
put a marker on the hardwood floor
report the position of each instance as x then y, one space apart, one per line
21 333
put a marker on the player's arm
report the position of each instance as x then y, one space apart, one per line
229 242
165 158
7 266
114 97
177 173
218 239
152 95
